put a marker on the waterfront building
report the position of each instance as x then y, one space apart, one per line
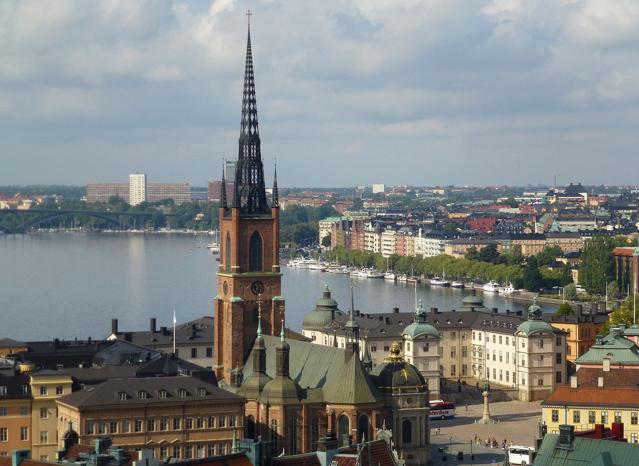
249 272
15 412
326 226
179 193
102 192
193 340
137 188
154 192
388 242
179 417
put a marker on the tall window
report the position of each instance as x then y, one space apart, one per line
255 253
343 428
292 436
362 428
227 253
407 432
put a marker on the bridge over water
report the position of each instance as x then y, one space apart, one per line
21 221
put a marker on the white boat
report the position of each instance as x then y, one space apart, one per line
390 276
455 284
317 265
491 287
374 274
436 281
508 289
213 247
402 278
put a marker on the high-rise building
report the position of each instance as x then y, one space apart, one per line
137 188
378 188
249 278
229 169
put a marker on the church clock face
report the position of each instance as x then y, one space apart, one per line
257 287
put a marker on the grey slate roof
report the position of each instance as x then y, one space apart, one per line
107 393
326 373
194 332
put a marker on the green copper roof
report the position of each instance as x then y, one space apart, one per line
586 452
534 324
631 331
323 372
416 330
325 311
620 350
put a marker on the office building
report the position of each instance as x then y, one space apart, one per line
137 188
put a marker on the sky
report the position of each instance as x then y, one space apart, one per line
349 92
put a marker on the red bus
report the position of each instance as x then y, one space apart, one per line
440 409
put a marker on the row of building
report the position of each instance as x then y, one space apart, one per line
138 190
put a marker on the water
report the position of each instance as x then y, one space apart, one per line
70 285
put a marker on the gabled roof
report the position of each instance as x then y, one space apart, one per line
339 375
586 452
593 396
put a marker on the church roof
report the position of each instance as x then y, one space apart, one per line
326 373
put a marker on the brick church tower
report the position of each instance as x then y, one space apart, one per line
249 273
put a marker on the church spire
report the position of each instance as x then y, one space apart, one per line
276 194
223 203
250 192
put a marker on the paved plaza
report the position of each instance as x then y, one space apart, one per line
514 421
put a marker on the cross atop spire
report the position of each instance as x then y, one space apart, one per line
248 17
250 192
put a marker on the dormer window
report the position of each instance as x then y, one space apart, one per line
142 395
201 391
162 394
182 393
122 396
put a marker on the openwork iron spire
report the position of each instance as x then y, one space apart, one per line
250 192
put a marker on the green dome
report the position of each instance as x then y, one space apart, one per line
325 312
472 301
418 329
534 324
395 374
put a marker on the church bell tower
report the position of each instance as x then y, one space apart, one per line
249 273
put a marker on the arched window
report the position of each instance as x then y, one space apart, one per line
250 427
343 430
407 432
315 432
255 252
227 253
362 429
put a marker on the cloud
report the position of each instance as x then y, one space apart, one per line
424 91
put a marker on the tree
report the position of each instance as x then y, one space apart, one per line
472 254
597 265
532 276
566 275
565 309
570 292
548 255
489 253
326 241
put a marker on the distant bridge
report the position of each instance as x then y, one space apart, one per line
36 217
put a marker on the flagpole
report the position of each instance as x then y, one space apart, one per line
174 335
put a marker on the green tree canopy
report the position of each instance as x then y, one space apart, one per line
532 277
597 265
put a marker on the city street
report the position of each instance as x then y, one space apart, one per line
514 421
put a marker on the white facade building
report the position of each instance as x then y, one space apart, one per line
379 188
388 240
137 188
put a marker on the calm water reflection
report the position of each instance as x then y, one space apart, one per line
67 285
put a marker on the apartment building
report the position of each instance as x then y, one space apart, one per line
179 417
137 188
15 412
388 242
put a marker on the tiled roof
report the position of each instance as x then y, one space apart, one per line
589 376
108 393
593 396
376 453
306 459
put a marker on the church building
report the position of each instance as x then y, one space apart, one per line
297 392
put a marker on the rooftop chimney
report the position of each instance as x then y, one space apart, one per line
606 365
114 326
396 310
599 430
600 382
566 436
573 381
617 430
153 324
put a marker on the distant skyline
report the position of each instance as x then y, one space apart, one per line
419 92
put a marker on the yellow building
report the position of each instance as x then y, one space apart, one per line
15 414
46 387
181 416
9 346
583 407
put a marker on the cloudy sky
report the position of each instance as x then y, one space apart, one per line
349 91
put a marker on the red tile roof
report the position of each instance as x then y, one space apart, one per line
594 396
